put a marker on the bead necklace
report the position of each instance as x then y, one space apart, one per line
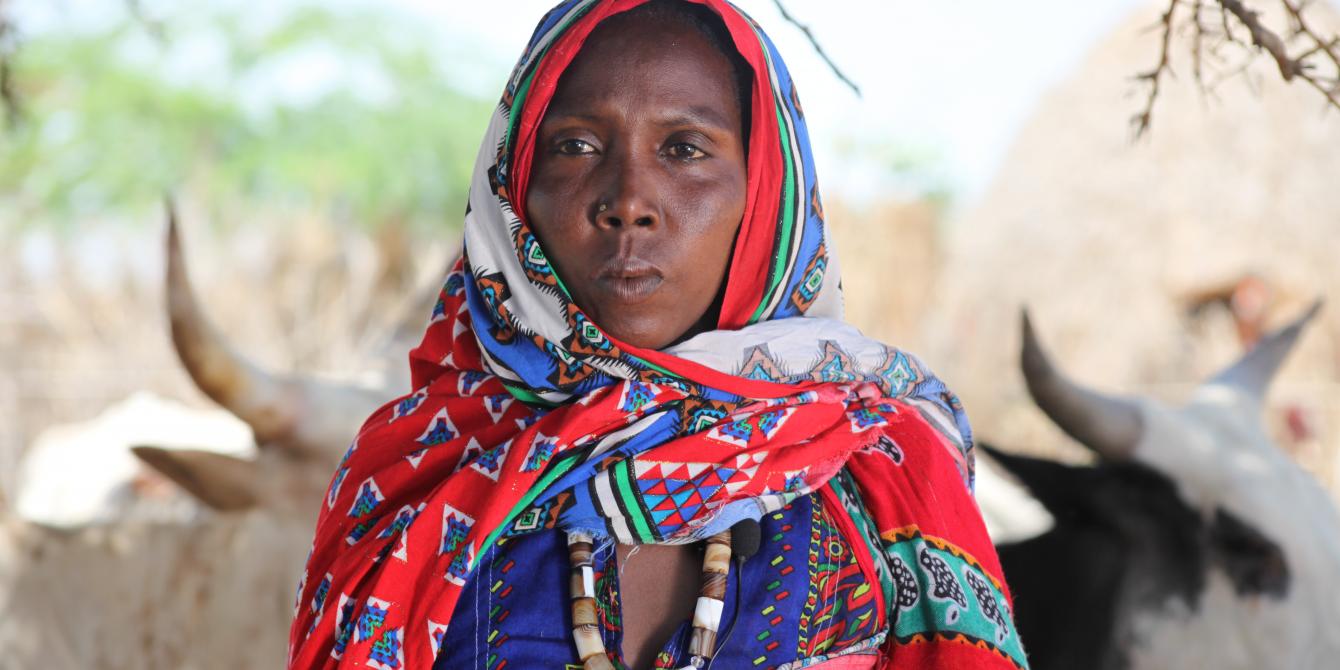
706 614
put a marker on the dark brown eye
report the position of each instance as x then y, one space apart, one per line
685 151
575 147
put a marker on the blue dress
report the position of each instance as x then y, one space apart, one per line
804 596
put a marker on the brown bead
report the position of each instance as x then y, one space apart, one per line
589 644
713 586
717 558
584 612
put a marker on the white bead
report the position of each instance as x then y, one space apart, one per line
707 614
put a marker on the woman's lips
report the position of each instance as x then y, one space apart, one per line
630 280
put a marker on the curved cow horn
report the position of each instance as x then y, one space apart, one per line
306 415
1254 371
1110 426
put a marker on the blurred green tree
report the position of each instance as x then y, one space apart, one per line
206 106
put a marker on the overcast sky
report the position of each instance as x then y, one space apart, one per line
950 80
953 78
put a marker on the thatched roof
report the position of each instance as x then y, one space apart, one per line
1106 239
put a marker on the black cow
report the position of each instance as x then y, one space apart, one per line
1194 542
1124 542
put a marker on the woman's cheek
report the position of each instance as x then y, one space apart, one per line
701 207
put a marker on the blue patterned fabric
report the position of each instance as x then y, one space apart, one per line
802 598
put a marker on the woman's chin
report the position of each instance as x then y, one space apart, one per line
651 332
653 323
642 337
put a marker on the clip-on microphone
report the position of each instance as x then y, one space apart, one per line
745 538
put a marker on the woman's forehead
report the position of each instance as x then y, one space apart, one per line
637 60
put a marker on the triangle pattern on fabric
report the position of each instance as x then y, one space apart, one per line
833 370
673 471
675 486
674 493
663 504
668 518
657 502
682 496
440 429
657 488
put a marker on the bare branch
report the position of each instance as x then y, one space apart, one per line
1274 45
1320 48
1241 70
820 50
1329 47
1263 37
1197 42
1317 52
1141 121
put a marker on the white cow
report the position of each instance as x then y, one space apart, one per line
214 591
87 473
1196 543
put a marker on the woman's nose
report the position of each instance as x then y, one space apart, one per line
630 197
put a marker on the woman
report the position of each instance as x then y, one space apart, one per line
640 355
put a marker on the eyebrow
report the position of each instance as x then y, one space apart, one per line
696 115
688 116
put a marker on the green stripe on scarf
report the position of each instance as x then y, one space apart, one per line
527 396
631 503
556 470
786 217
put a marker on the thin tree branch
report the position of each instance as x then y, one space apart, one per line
1321 47
1197 41
1273 44
1263 37
1329 47
1317 52
815 43
1141 121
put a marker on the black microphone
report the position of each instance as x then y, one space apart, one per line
745 538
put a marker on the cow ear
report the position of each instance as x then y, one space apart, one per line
221 482
1254 563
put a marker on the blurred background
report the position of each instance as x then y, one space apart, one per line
319 153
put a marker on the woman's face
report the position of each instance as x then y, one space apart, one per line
638 180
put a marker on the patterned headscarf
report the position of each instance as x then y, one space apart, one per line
526 414
782 266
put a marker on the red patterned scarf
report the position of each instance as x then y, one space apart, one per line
524 408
